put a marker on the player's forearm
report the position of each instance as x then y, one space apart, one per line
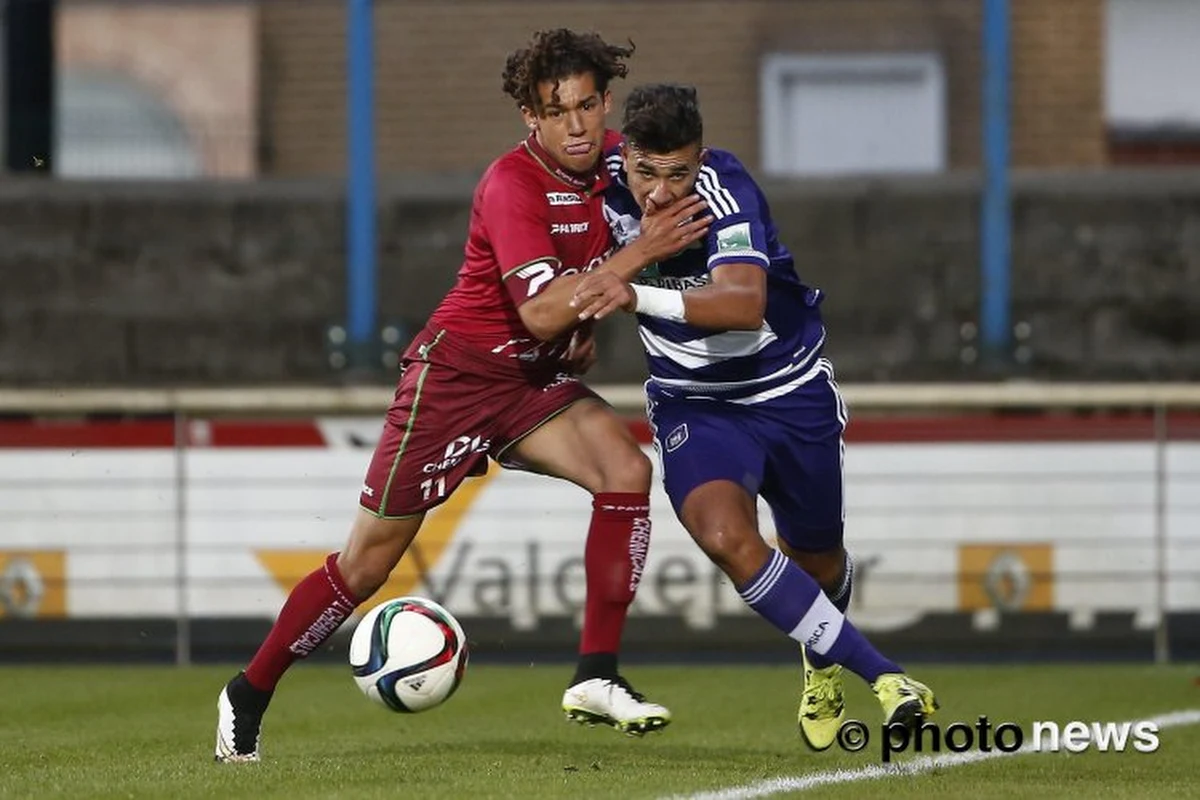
549 315
718 308
724 308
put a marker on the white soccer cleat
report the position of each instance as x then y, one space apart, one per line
238 729
613 702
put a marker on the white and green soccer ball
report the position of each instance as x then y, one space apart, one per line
408 654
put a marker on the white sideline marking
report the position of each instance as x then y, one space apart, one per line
915 766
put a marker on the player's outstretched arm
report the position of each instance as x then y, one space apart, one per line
663 234
735 300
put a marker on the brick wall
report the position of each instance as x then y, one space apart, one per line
1058 83
438 88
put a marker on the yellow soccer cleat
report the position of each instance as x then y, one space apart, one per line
903 699
822 705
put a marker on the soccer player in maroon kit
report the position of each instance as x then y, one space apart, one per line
494 373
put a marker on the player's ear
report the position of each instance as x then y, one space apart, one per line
607 100
703 155
530 117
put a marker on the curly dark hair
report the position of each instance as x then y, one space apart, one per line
560 53
662 117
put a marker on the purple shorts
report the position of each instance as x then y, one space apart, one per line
788 450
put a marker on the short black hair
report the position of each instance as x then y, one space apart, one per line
560 53
662 117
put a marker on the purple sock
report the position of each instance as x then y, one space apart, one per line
788 598
841 601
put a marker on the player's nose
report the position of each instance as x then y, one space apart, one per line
661 195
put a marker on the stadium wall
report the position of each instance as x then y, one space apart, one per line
131 284
974 538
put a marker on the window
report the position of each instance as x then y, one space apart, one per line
836 114
1152 104
108 126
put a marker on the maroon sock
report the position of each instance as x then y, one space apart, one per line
617 543
314 610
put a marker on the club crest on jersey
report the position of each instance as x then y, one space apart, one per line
564 199
676 438
735 237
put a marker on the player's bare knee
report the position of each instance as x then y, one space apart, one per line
824 567
628 470
375 547
735 547
363 577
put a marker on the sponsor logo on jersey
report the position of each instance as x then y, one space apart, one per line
735 237
558 228
564 199
677 283
595 262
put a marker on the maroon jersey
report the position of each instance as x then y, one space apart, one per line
531 221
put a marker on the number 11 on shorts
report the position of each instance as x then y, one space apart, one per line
433 485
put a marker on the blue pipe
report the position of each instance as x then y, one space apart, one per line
996 211
361 278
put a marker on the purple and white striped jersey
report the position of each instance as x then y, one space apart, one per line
741 366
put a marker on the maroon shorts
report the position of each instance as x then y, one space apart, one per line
453 408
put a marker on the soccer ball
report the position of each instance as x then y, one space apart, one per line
408 654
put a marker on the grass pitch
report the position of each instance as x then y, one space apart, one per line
147 732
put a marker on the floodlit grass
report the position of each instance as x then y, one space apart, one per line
147 732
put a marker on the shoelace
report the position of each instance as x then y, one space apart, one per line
624 684
823 691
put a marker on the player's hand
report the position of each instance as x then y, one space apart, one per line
666 231
600 293
581 352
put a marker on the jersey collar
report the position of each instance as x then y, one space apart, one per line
591 182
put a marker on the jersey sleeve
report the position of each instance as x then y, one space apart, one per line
737 233
514 213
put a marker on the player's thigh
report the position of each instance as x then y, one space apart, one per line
566 430
437 433
804 482
701 441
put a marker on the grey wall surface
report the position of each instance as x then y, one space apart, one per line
145 284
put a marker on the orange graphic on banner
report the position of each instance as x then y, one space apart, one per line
1008 577
287 567
33 583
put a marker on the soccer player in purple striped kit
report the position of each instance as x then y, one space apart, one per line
742 402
